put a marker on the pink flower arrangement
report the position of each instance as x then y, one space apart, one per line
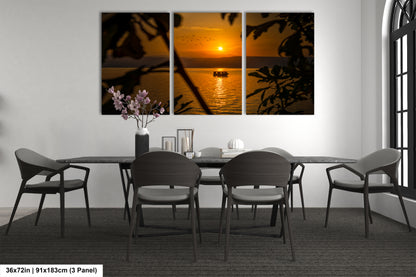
138 107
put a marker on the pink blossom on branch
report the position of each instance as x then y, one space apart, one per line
136 107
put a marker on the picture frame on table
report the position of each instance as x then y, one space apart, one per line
185 140
169 143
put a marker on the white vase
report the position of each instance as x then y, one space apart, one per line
142 131
141 141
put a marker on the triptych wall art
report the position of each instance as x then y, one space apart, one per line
208 64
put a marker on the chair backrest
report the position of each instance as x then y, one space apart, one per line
32 163
279 151
386 158
211 152
164 168
256 168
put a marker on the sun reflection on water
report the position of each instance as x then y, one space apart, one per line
220 92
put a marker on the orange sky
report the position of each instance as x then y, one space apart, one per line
207 35
267 44
154 47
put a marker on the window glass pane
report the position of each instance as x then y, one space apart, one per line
399 130
404 20
396 17
404 95
404 47
398 56
399 172
399 93
405 169
405 129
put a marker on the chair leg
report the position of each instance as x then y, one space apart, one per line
369 213
174 212
138 217
273 217
174 207
224 199
399 194
193 228
291 196
289 230
62 208
227 228
254 207
327 206
366 212
141 218
301 199
19 195
87 206
238 212
134 215
198 218
42 199
282 223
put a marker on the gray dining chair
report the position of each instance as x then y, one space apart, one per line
153 175
125 171
209 179
383 161
153 149
294 179
32 164
256 168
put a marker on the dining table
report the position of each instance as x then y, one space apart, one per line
124 163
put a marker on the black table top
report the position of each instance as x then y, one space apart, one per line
202 161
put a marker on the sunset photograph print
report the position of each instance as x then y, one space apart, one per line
279 63
207 78
135 56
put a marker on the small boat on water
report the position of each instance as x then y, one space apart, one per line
220 74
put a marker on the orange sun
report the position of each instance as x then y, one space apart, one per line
220 48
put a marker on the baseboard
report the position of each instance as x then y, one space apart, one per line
388 204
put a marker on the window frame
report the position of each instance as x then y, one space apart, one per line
403 24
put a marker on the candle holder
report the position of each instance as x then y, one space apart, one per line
169 143
185 140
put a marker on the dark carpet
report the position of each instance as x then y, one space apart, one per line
339 250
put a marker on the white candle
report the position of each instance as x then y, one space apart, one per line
184 145
188 145
168 145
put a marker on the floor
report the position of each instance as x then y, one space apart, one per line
21 212
161 249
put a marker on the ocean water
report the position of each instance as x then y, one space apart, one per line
253 102
156 83
221 94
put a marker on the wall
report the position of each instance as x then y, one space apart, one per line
50 95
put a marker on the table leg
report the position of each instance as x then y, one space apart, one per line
125 183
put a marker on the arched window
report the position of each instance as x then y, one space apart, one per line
402 90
